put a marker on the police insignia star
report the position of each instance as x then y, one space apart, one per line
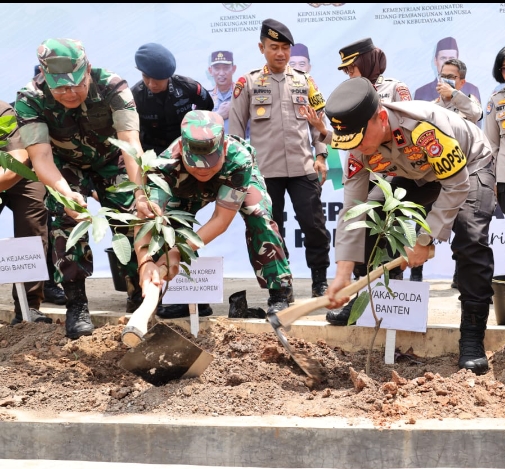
399 137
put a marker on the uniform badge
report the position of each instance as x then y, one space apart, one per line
262 81
502 101
239 86
399 137
444 152
260 111
353 166
489 107
261 99
404 93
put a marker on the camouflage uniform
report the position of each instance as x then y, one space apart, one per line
237 186
86 159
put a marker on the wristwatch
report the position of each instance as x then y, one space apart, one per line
454 93
424 239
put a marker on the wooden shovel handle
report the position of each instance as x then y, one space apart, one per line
289 315
137 324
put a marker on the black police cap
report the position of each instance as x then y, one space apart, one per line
276 31
155 61
350 53
349 108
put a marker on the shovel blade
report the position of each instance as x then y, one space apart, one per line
165 355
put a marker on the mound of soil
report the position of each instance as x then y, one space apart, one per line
42 370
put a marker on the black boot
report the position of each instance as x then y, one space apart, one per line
416 274
279 298
319 282
53 293
341 316
181 311
134 291
78 321
238 305
472 355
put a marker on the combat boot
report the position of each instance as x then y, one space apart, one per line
78 320
319 282
416 274
35 316
341 317
472 355
279 298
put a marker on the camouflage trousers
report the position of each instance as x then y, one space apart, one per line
77 263
264 242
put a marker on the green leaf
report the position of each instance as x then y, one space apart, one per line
146 228
160 182
181 220
126 147
156 244
384 185
122 248
360 224
68 203
359 306
187 254
100 227
159 223
75 235
169 235
360 209
190 235
125 186
390 204
122 217
400 193
7 161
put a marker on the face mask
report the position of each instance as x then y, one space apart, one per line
450 82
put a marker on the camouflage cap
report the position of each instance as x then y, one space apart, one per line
63 62
202 136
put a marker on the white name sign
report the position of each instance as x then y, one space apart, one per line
405 310
205 285
22 260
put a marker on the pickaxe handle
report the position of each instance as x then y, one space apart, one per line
288 316
137 324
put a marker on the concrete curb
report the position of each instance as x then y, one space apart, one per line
254 442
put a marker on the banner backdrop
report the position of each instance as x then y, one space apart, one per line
407 33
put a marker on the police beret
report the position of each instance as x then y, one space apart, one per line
155 61
349 108
276 31
350 53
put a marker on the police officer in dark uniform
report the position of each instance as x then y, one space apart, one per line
162 98
454 169
162 101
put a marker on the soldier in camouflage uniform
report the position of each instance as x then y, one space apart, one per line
205 166
66 114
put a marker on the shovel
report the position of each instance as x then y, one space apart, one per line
160 354
286 317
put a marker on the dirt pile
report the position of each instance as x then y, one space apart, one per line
42 370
